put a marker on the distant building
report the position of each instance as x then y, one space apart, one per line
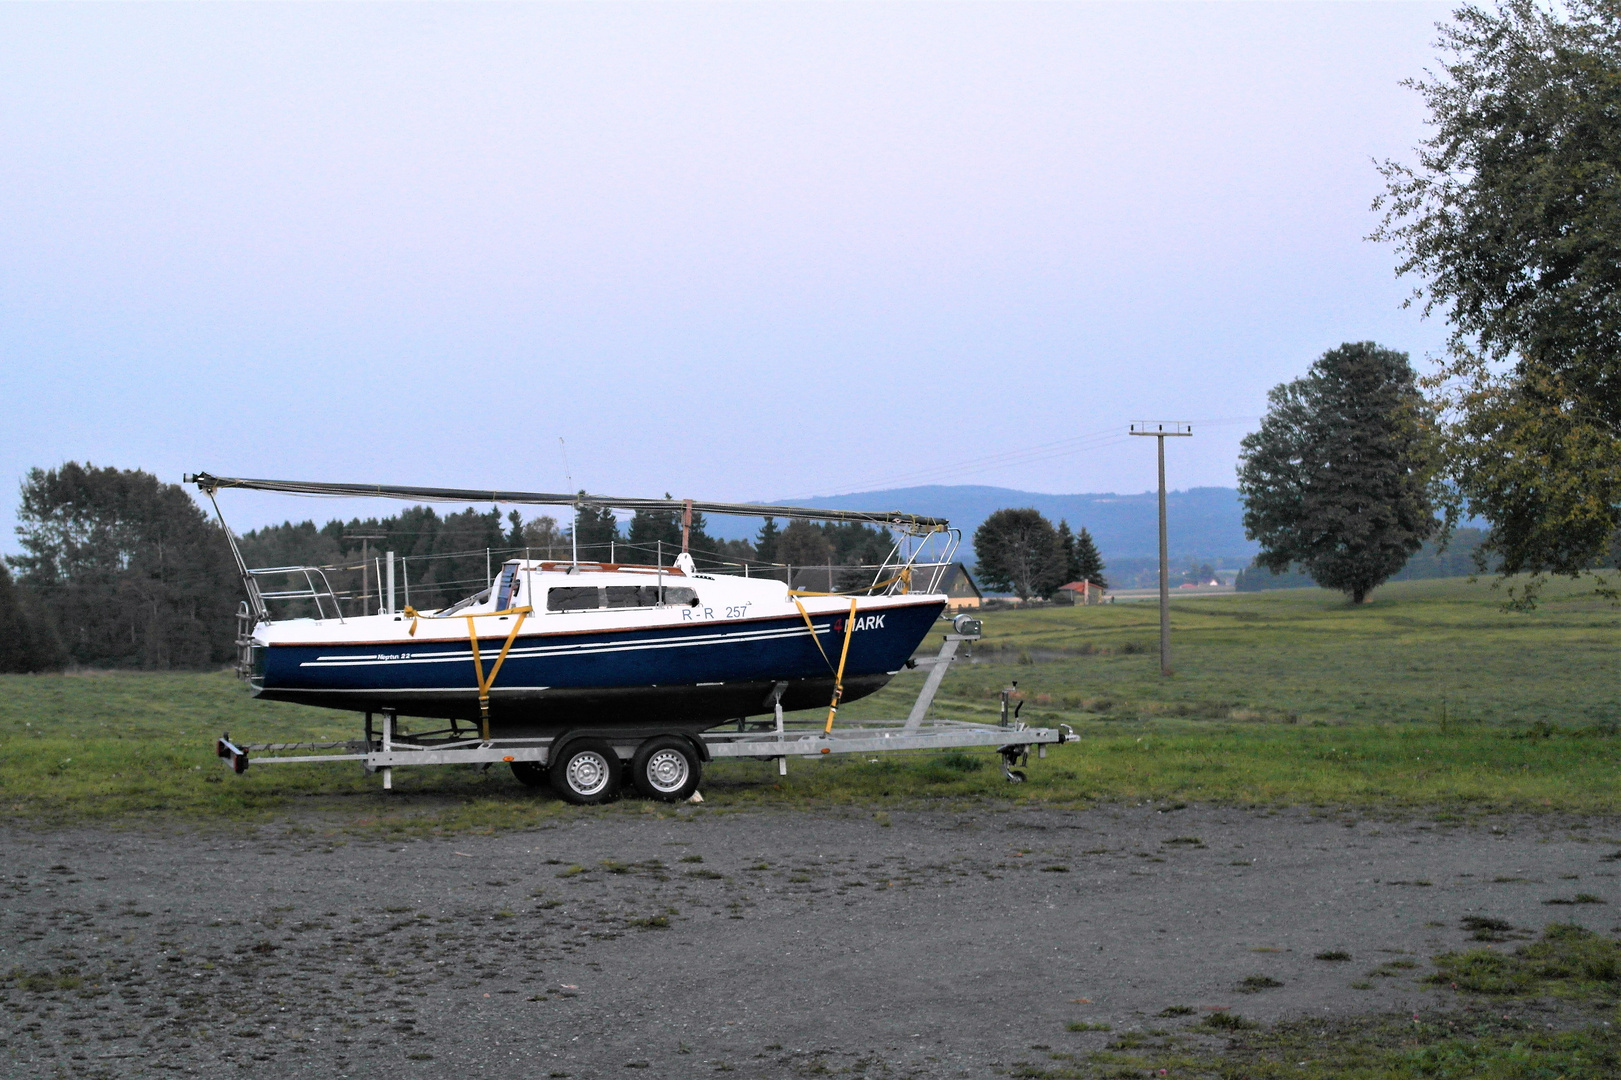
960 589
1079 592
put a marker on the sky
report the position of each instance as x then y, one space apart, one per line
732 252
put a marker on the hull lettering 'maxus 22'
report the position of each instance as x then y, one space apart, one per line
582 667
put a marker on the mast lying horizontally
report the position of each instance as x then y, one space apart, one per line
889 518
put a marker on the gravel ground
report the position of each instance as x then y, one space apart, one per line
774 944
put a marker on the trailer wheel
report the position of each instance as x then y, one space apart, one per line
666 768
529 773
586 773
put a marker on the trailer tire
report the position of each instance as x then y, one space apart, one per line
529 773
666 768
586 773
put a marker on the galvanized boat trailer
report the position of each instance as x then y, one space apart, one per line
386 748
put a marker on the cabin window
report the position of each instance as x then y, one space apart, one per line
590 598
573 599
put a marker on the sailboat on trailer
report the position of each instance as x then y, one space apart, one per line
553 647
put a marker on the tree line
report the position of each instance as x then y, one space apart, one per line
121 570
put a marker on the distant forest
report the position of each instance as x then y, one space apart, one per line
1458 560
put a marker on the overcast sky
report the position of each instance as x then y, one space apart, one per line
732 252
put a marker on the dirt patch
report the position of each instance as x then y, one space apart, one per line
771 944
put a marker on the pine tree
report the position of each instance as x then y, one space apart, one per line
597 530
765 544
1065 555
1088 564
654 533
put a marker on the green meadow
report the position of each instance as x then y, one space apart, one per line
1428 697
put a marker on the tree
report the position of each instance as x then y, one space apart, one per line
1339 477
1511 218
765 542
597 530
1088 565
651 528
803 544
543 538
28 641
1016 550
1064 553
132 572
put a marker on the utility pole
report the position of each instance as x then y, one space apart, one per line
365 566
1161 431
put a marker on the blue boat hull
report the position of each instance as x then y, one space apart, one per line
686 676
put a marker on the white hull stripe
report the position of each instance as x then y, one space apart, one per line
588 649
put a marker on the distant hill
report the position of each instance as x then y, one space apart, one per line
1204 523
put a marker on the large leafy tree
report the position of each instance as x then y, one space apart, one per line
132 572
1338 478
1018 550
1511 218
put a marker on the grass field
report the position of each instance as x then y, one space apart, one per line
1429 696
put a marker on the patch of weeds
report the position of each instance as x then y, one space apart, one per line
1579 898
1568 961
1417 882
1184 841
1404 1047
1482 928
1131 1040
1082 1025
651 922
691 858
1227 1021
571 871
1335 955
1177 1010
1056 868
43 982
707 874
614 867
1254 984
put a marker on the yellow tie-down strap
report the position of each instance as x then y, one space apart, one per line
484 684
844 655
838 678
